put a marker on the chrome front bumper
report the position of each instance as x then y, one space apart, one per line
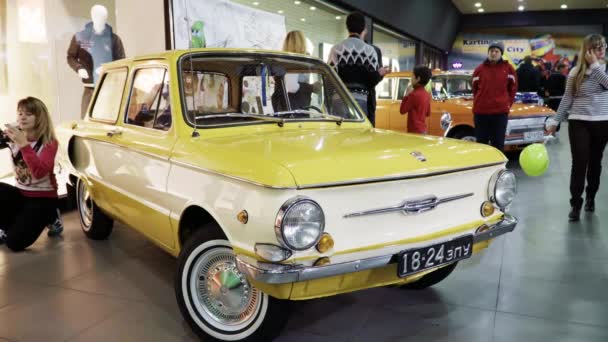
521 141
285 273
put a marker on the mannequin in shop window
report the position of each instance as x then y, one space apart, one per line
92 47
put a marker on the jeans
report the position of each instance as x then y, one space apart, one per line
23 218
361 98
490 129
587 143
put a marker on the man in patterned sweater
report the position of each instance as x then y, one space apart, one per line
356 62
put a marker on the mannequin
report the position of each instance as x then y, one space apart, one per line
90 48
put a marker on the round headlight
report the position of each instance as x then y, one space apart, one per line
502 189
300 223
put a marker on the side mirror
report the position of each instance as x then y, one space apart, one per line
446 121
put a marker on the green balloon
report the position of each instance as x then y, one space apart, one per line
534 160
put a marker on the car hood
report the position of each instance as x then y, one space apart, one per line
307 158
518 109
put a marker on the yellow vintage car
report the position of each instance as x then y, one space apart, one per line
451 109
260 173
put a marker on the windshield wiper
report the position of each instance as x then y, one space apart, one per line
311 115
278 121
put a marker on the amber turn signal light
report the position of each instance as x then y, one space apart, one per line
482 229
243 217
322 261
487 209
325 244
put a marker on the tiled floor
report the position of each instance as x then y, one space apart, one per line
547 281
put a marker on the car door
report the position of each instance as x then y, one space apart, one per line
92 142
145 140
398 122
439 105
385 100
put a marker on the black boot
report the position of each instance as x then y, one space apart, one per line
590 204
574 215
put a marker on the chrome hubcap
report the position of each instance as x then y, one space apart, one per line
222 291
469 138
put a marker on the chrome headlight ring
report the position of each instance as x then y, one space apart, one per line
502 188
290 206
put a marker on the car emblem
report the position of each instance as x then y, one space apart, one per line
419 156
412 206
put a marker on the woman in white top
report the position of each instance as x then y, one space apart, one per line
585 105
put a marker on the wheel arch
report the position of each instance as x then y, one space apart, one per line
459 128
194 217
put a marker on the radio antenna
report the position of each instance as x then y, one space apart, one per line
195 133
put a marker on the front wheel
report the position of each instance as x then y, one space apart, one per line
465 134
216 299
431 279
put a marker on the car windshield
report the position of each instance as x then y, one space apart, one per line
448 86
255 88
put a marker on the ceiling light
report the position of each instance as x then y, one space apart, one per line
302 19
521 8
339 17
297 2
478 4
255 3
480 10
312 8
564 6
280 11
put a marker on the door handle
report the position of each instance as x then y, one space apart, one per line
114 132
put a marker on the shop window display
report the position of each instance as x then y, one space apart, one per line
95 45
34 38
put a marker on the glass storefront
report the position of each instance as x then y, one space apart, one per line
323 24
434 58
398 51
34 39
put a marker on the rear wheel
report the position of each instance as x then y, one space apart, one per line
216 299
94 223
431 279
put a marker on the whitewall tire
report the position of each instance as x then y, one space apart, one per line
94 223
217 300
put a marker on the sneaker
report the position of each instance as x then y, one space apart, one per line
2 236
55 228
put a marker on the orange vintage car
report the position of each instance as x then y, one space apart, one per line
451 109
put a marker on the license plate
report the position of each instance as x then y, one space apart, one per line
534 136
420 259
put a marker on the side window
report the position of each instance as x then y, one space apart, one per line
304 91
257 95
403 83
149 104
384 89
107 103
438 85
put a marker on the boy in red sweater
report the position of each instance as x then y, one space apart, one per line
417 101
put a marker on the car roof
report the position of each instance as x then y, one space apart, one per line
436 72
175 54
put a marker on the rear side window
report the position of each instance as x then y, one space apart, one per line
403 83
149 104
384 89
109 96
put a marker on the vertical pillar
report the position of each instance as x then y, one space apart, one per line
419 52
